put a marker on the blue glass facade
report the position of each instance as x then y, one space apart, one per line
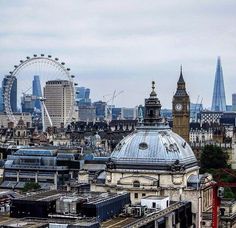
82 96
218 100
37 90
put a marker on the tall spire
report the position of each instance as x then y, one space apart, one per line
181 90
181 78
218 99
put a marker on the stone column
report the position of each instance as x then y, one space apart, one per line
18 176
55 179
36 177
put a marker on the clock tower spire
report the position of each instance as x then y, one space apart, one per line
180 108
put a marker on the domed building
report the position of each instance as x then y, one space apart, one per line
153 160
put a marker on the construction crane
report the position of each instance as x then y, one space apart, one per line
111 101
218 193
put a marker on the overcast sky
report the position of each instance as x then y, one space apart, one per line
125 44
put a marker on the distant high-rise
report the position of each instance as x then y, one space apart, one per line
82 96
58 101
28 103
234 102
101 108
37 90
1 100
218 100
13 95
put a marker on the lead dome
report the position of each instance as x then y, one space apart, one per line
153 145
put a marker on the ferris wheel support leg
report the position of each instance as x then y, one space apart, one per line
42 113
49 118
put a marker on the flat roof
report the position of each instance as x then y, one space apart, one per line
43 196
156 197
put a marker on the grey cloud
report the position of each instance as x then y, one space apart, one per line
126 43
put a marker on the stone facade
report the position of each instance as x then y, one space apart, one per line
181 110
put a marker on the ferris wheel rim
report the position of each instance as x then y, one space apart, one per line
23 63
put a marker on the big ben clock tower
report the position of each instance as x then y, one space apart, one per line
180 107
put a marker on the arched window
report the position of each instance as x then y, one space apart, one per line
136 184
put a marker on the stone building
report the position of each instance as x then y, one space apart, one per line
21 134
153 160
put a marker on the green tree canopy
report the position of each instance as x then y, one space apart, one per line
31 186
213 157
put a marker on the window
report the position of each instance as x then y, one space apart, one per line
136 184
153 205
143 194
151 113
143 146
136 195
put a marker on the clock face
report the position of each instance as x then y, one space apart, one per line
178 107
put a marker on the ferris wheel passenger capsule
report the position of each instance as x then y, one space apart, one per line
49 56
35 55
56 59
42 55
27 57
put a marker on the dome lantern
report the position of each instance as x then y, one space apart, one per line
152 109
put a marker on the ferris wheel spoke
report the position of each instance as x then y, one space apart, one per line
46 68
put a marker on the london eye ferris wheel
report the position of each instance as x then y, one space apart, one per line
45 68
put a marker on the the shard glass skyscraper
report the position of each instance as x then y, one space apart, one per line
218 100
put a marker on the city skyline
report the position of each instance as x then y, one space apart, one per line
123 46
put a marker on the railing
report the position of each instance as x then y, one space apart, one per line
154 216
36 167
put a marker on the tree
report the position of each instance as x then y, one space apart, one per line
213 157
31 186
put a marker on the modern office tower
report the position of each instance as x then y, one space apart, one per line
13 95
82 96
116 113
59 100
87 113
195 110
1 100
218 100
28 103
101 109
128 113
37 90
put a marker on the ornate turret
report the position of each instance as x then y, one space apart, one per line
152 109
